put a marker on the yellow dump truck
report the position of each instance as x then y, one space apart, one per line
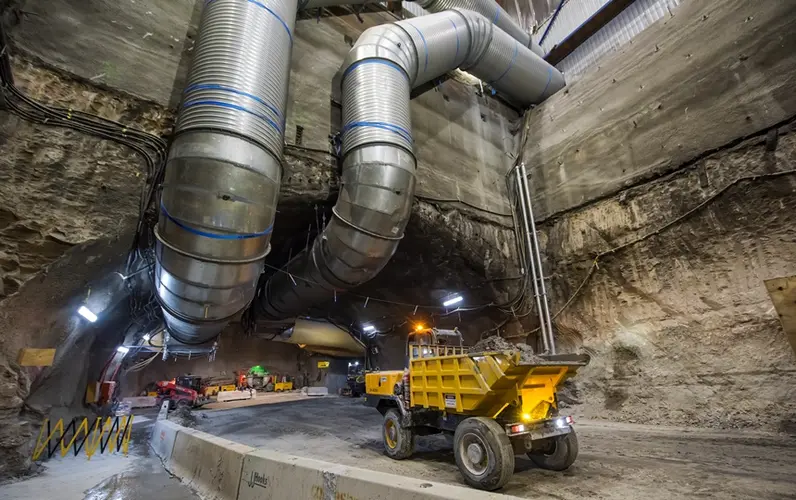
495 405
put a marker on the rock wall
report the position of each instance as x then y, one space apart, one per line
664 182
679 324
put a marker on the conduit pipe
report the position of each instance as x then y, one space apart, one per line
530 258
224 166
378 179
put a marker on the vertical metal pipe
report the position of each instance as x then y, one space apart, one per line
532 265
537 258
516 223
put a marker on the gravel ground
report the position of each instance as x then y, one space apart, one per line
617 461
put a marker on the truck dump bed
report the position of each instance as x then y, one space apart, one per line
486 383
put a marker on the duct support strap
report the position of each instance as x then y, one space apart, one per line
378 180
224 166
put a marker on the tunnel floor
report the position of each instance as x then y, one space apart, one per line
616 460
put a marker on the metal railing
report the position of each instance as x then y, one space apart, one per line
435 350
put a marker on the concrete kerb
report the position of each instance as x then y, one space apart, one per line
220 469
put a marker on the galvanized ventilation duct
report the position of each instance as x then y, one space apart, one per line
378 179
224 167
490 10
487 8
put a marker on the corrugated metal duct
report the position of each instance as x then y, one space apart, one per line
487 8
378 179
490 10
224 166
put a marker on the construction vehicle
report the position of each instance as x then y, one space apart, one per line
493 403
354 381
258 378
178 395
283 383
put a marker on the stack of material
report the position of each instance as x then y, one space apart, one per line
497 343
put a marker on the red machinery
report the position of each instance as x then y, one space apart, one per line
178 395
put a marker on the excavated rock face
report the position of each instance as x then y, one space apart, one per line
59 188
679 325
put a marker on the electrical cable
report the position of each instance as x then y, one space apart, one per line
466 203
151 148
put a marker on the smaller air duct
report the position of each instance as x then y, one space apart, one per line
490 10
378 180
487 8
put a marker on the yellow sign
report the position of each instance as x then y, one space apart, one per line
29 356
323 364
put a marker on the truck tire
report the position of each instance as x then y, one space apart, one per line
399 442
560 453
269 387
483 453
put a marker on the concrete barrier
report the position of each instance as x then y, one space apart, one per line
162 441
268 475
316 391
235 395
219 469
141 401
210 465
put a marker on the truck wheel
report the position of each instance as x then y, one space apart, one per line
559 453
483 453
269 387
399 442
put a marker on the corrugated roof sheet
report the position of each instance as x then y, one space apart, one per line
629 23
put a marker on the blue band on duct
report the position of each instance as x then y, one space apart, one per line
375 61
511 63
405 134
456 30
261 5
425 45
221 104
225 88
214 235
549 77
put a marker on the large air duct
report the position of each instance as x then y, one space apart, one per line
378 179
487 8
224 166
490 10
